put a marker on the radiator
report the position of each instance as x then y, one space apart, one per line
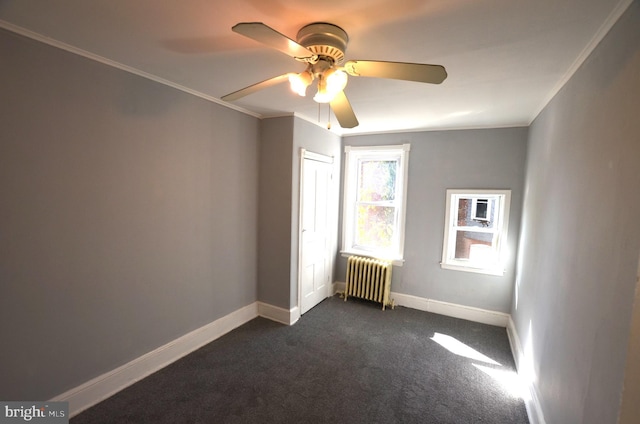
368 279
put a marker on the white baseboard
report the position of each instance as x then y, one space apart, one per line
100 388
532 403
106 385
281 315
469 313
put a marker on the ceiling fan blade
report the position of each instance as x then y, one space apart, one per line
418 72
266 35
255 87
343 111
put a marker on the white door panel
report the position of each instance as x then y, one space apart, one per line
315 250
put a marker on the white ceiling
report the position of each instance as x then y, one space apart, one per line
505 58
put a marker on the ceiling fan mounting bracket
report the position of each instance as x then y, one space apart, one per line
325 40
320 66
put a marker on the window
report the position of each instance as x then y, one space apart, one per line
475 233
480 210
374 202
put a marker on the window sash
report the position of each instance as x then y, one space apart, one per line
354 158
492 259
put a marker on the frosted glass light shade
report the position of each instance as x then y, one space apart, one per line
329 84
300 82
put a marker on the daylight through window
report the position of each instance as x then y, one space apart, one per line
374 206
476 230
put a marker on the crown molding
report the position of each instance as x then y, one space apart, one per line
604 29
92 56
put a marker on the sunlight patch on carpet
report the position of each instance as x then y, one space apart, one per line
455 346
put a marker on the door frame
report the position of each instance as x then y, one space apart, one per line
332 223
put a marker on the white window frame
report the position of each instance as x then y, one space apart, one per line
501 215
352 156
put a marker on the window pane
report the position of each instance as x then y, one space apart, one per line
464 212
374 226
377 180
476 212
475 246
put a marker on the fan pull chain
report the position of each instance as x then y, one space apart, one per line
328 115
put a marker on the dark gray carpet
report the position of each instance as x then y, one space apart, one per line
340 363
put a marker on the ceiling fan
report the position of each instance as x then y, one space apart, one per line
321 46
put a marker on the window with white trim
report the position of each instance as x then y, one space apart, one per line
475 234
375 187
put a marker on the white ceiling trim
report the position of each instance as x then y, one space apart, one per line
80 52
439 129
604 29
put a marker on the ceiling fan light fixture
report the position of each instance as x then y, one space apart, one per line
321 46
330 83
300 82
322 96
336 80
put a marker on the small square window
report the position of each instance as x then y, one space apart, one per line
476 223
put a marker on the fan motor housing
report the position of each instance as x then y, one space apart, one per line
325 40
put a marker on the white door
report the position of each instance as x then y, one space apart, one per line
315 255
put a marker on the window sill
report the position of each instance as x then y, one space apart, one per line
488 271
395 262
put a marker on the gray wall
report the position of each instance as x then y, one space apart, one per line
128 216
580 237
318 140
280 144
275 211
472 159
